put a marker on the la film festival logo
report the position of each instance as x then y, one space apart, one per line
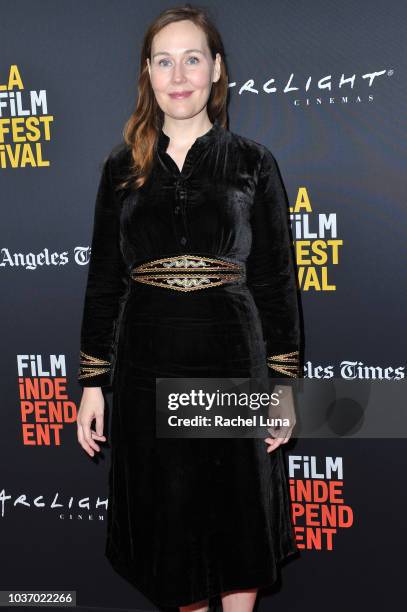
24 123
316 242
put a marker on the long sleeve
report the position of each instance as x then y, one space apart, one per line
106 288
271 274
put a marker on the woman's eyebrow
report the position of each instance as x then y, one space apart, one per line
186 51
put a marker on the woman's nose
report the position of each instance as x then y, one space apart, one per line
178 72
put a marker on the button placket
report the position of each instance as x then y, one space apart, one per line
179 206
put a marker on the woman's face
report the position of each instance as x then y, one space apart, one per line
181 63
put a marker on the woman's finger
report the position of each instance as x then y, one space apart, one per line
97 436
273 443
99 423
271 448
88 437
82 441
286 437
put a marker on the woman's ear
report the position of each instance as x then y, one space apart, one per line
216 68
148 66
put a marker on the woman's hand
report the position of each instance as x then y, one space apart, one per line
92 407
284 410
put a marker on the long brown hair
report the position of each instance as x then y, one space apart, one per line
142 128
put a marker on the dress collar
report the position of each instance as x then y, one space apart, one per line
209 136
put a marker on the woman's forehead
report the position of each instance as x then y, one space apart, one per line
179 37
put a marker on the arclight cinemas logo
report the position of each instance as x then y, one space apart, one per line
66 508
46 257
305 89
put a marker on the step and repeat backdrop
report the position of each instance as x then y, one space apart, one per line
323 85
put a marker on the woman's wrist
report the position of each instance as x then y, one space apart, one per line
92 390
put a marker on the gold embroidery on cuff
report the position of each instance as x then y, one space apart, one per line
284 362
92 366
86 372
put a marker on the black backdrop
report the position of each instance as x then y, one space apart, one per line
334 117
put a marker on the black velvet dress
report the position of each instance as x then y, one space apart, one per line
189 519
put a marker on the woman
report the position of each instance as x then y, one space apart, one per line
191 275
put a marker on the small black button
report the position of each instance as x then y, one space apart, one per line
183 240
176 210
182 195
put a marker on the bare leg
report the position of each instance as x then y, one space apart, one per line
239 601
199 606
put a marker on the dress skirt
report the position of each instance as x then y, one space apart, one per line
189 519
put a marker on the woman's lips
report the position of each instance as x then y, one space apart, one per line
180 95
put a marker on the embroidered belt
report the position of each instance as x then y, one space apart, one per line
187 272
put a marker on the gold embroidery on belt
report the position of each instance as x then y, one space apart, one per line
282 363
178 272
185 262
186 282
92 366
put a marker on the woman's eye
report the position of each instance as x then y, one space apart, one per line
166 61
